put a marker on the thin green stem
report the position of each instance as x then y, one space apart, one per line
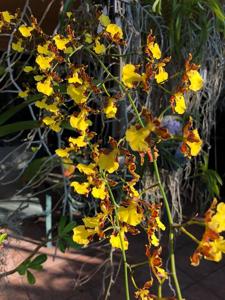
160 291
105 67
164 89
120 84
132 277
139 264
164 111
171 232
127 291
189 223
190 235
135 110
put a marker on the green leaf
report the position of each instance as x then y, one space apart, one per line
18 126
30 277
61 245
34 167
62 224
22 268
2 70
69 227
15 109
36 267
217 8
64 228
3 236
40 259
157 7
218 178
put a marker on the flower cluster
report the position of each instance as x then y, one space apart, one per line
212 245
70 98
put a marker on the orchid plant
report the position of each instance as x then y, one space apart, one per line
69 97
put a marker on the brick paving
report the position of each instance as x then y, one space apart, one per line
61 271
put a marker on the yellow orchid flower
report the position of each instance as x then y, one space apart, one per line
99 192
18 46
110 110
62 152
52 123
192 143
52 108
104 20
25 30
39 77
195 80
115 31
7 17
136 138
77 93
45 87
161 76
80 188
80 122
24 94
44 62
93 222
88 38
160 224
143 294
154 240
119 240
99 48
180 105
75 78
81 235
48 120
217 222
196 145
217 248
154 49
129 76
107 161
43 49
86 169
78 142
60 42
130 215
41 104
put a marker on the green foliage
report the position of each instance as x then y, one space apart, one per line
210 178
23 267
18 126
157 6
189 22
2 70
35 264
3 237
65 235
30 277
34 167
4 117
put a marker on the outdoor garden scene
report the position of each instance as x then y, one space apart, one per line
112 150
